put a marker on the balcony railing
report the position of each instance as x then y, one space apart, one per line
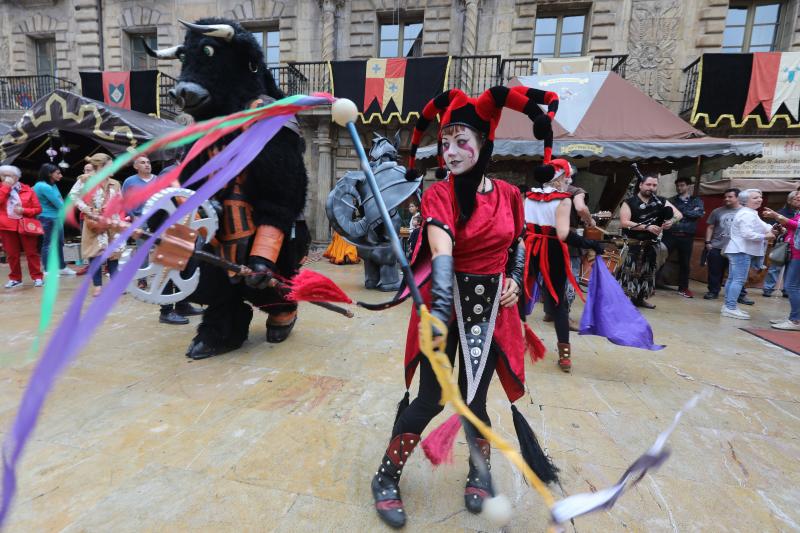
530 66
690 77
474 74
290 80
20 92
166 104
316 75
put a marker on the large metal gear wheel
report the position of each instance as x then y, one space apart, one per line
150 282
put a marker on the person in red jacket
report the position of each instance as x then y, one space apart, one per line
18 202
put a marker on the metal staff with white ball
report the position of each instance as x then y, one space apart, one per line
345 113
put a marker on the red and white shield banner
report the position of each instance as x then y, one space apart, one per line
117 89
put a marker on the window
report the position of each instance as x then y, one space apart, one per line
751 27
559 36
45 56
270 42
139 58
401 40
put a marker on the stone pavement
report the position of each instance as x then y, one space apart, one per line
136 437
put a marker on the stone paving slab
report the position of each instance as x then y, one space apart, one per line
135 437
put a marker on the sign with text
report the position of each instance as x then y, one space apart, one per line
781 159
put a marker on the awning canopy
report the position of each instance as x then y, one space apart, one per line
603 117
764 185
116 130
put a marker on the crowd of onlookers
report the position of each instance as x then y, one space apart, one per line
29 223
736 237
736 240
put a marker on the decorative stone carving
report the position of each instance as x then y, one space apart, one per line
137 17
652 41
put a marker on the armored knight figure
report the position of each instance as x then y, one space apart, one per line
353 213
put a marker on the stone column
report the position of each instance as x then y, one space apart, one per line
328 28
324 169
88 38
470 43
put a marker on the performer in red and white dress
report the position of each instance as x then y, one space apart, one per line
472 245
547 218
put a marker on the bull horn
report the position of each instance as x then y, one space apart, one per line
166 53
222 31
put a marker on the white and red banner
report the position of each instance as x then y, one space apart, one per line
774 80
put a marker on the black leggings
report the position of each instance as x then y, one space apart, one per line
426 405
558 276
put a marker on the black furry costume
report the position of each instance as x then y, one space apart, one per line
224 72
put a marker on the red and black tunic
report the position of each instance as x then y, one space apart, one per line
480 247
547 254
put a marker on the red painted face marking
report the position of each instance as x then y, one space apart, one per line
470 150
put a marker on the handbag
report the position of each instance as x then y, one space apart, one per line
31 226
780 253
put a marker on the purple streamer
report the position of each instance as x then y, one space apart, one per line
75 332
609 313
535 293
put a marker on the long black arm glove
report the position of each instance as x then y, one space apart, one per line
578 241
515 267
442 289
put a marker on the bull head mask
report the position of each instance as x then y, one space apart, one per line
220 31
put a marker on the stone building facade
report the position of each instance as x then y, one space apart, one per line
660 37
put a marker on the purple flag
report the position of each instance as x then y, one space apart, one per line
535 293
609 313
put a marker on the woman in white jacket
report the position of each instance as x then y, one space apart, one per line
749 235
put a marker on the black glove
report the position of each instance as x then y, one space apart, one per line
263 272
515 267
442 289
578 241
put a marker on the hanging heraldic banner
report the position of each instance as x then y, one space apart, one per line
136 90
389 88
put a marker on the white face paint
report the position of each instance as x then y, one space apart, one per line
460 150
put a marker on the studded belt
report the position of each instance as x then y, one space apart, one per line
477 299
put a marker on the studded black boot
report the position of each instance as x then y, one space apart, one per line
385 484
479 479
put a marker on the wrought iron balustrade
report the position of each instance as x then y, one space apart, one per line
512 68
529 66
690 79
290 80
315 76
474 74
166 104
20 92
613 63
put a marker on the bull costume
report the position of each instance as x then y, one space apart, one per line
472 245
353 213
260 211
547 217
643 217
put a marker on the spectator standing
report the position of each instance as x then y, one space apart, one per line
170 314
51 201
774 271
17 203
791 281
718 233
681 235
95 233
747 242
